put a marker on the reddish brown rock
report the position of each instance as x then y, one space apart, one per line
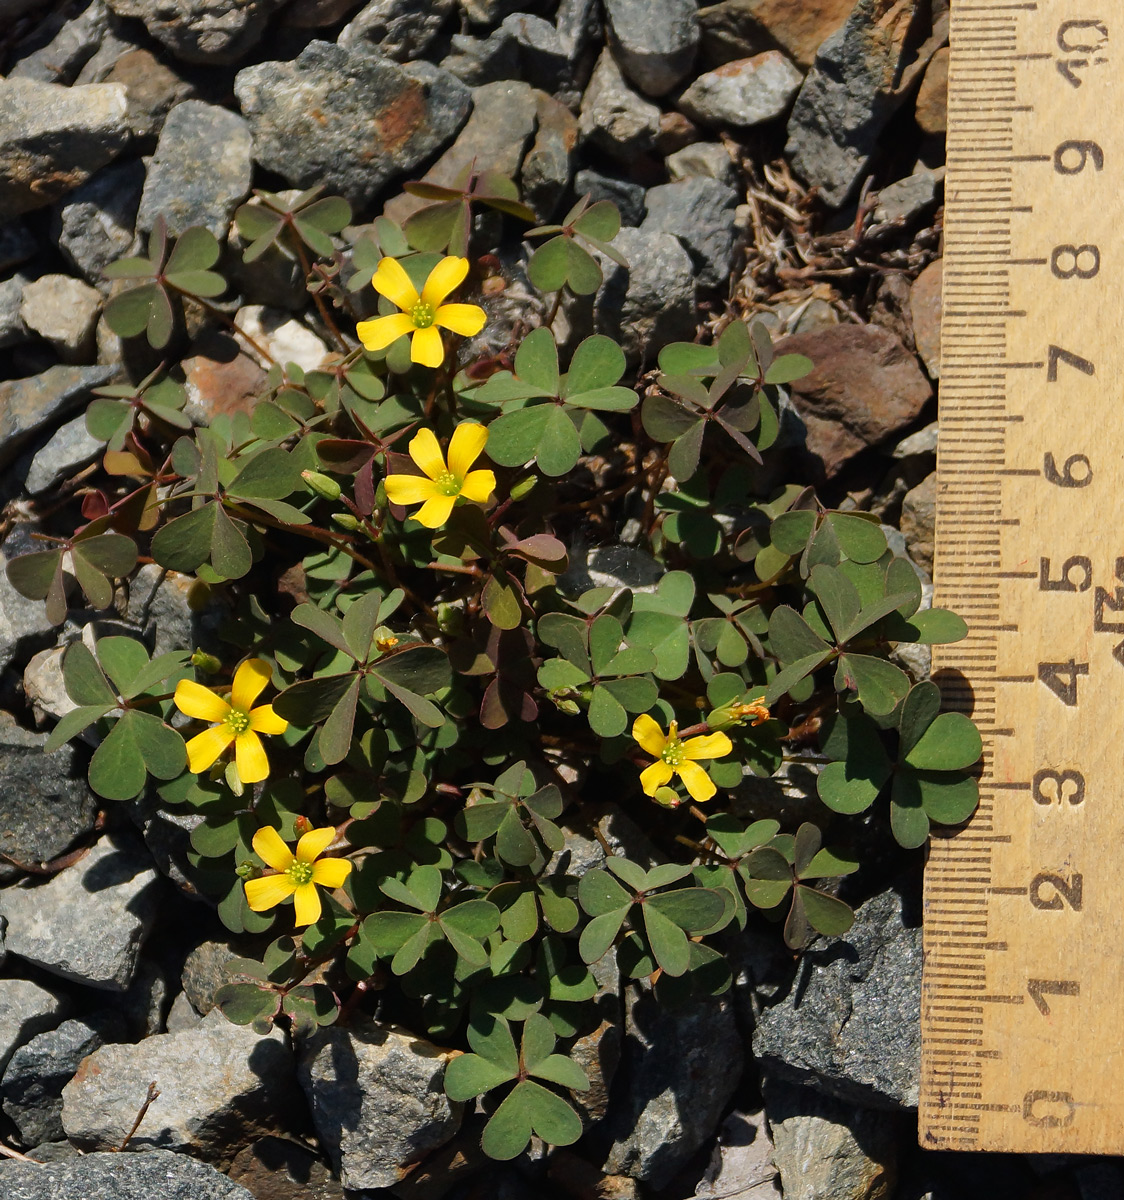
739 28
864 387
925 307
918 519
220 380
932 97
275 1168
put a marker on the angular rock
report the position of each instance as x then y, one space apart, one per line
29 405
63 311
70 447
863 387
476 61
87 923
711 159
200 172
96 224
628 197
739 28
613 117
12 329
931 108
823 1147
286 338
204 972
181 1016
850 1025
60 60
53 138
221 1085
654 43
548 164
31 1089
742 93
154 88
925 315
918 520
398 29
277 1169
118 1177
491 12
700 213
546 56
349 120
203 31
26 1010
909 198
679 1069
741 1167
219 379
377 1100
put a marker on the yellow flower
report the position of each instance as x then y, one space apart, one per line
437 492
238 721
298 873
675 757
420 315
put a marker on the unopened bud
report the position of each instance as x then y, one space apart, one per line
524 487
301 826
233 779
383 644
450 618
346 520
667 797
247 870
564 700
322 485
207 663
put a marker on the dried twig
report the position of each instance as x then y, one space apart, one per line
8 1152
153 1094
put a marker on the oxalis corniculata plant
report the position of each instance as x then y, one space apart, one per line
396 752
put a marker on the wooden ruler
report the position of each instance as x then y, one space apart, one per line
1023 993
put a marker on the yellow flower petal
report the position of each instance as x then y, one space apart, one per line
379 332
651 737
306 900
434 513
697 781
250 757
197 701
447 275
478 486
264 720
314 843
204 748
269 847
465 319
709 745
331 872
390 280
409 489
268 892
249 681
654 777
427 348
425 450
465 445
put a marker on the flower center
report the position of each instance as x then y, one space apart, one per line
299 872
237 721
672 753
422 315
448 484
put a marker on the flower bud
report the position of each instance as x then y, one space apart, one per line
233 779
450 618
563 700
523 487
345 520
738 713
322 485
247 870
207 663
301 826
667 797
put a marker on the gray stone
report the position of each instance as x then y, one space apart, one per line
851 1023
700 213
69 448
45 804
154 88
743 93
221 1085
181 1016
203 31
201 170
26 1010
827 1149
95 226
24 628
87 923
548 164
398 29
53 138
17 244
613 117
628 197
377 1100
63 311
29 405
923 443
475 61
909 198
12 329
654 43
546 56
118 1177
711 159
204 972
160 602
31 1089
681 1066
349 120
60 60
652 301
741 1166
491 12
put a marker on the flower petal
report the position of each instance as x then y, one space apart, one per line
425 450
264 720
269 847
390 280
249 755
409 489
651 737
314 843
331 872
697 781
197 701
205 747
709 745
306 899
448 274
434 513
427 348
654 777
379 332
249 681
478 486
268 892
465 319
465 445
